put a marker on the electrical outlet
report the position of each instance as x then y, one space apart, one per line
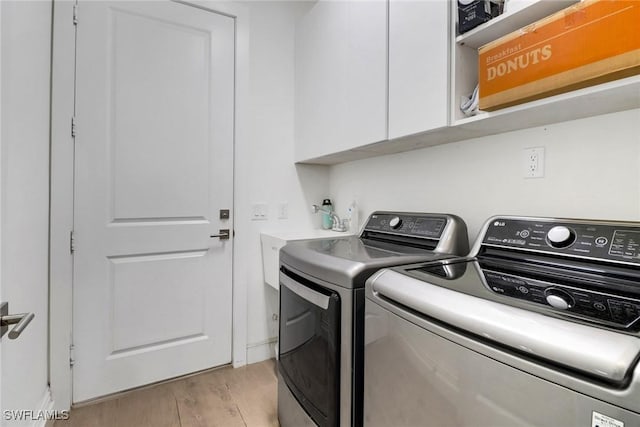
259 211
283 210
534 162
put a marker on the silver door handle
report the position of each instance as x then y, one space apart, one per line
20 320
302 291
223 234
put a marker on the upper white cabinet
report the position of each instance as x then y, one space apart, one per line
368 71
341 77
375 77
418 66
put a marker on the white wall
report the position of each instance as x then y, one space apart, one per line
475 178
25 50
265 170
592 171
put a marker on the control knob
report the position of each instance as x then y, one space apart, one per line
395 222
558 298
560 236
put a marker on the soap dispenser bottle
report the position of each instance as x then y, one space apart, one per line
327 208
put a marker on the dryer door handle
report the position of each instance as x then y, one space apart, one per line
304 292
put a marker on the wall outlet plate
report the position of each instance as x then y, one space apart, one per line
533 162
283 210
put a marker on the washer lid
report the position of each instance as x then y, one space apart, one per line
599 353
348 261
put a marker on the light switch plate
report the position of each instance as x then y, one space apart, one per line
259 211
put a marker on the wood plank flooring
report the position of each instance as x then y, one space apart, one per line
240 397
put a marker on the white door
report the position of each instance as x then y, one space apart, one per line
154 155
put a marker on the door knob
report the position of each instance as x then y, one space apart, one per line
223 234
20 320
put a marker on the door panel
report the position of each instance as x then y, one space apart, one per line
153 113
154 106
418 66
341 77
133 278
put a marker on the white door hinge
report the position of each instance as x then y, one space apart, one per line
75 14
73 126
72 355
72 242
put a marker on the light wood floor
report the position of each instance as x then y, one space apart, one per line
240 397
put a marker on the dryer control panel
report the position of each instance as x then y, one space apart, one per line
602 307
578 268
442 233
603 241
407 224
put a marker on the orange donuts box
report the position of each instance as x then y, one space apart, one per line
591 42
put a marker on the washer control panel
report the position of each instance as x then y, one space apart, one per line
598 241
407 224
601 307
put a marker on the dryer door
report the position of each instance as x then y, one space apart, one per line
310 346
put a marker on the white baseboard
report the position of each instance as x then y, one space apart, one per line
261 351
46 407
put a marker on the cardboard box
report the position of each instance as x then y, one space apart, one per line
472 13
592 42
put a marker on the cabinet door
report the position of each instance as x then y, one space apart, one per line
341 77
418 66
